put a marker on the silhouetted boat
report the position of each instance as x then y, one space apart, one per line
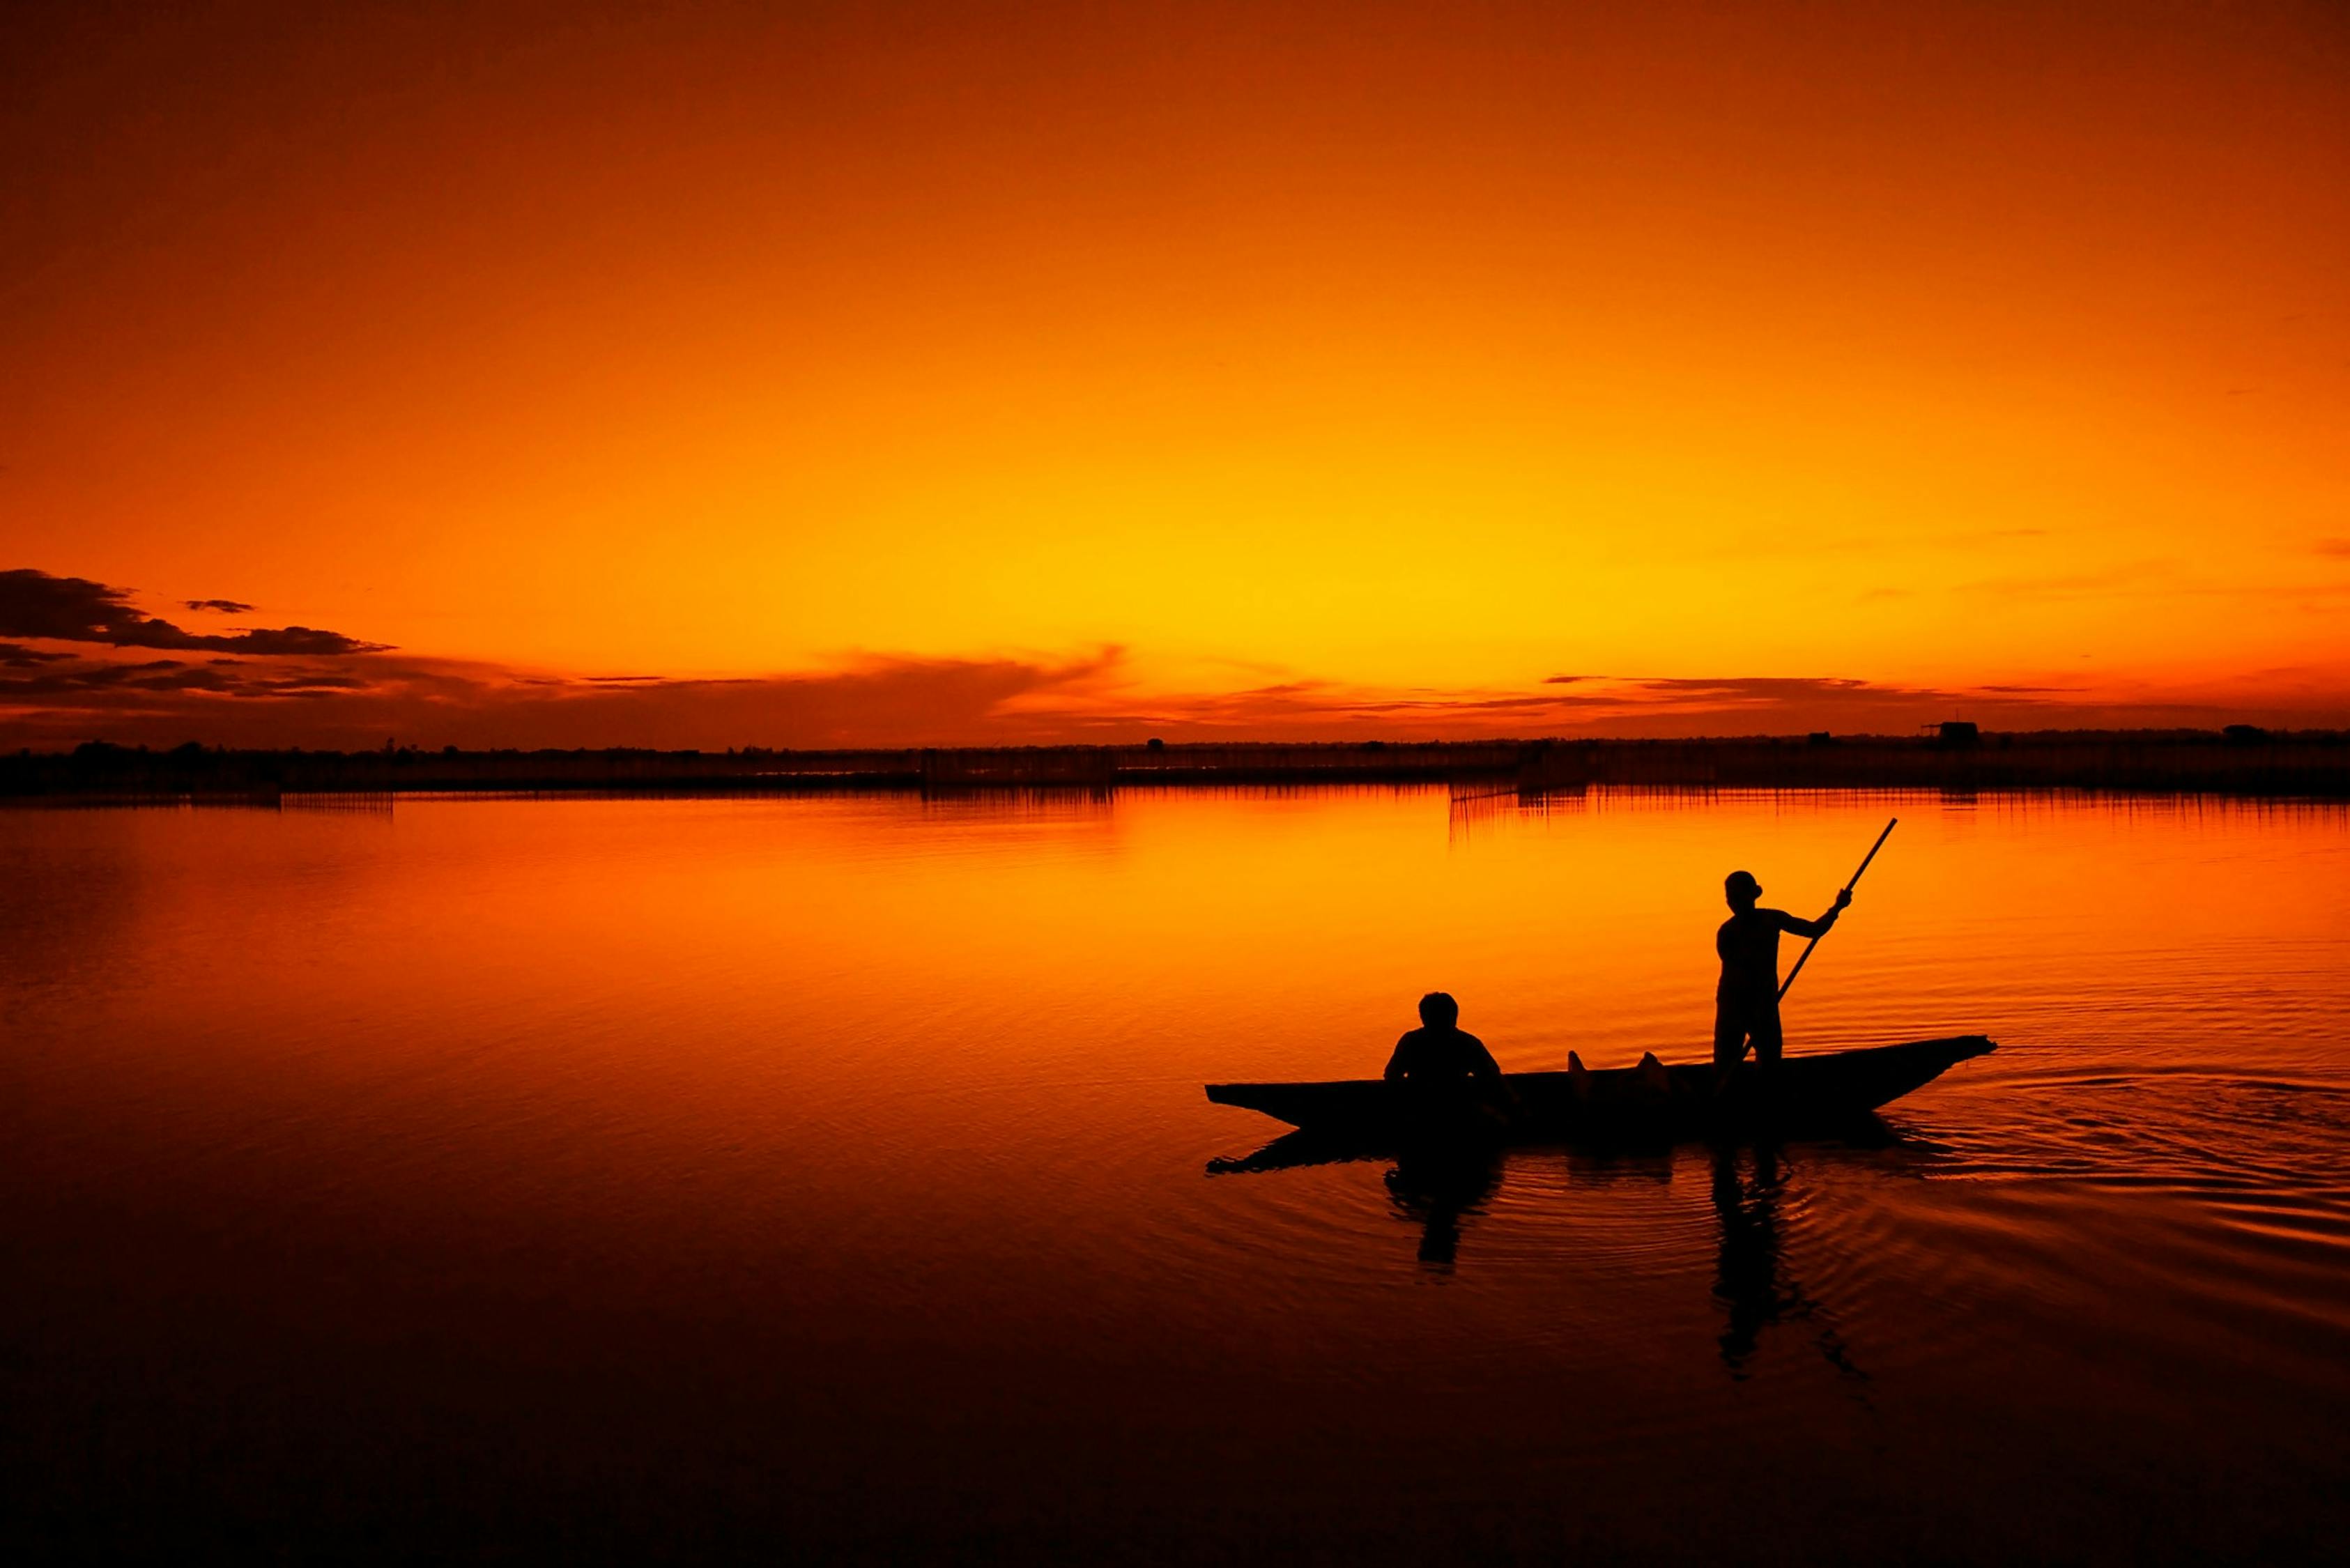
1644 1101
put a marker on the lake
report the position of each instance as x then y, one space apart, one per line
810 1177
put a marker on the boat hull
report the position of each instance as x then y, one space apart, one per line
1647 1100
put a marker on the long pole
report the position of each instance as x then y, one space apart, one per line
1848 888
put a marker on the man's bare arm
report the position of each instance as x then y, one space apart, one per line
1818 927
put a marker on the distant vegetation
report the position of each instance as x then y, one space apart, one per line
2239 760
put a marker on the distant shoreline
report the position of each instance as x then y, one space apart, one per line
2240 761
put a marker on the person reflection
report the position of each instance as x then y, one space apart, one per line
1438 1186
1746 1268
1750 1276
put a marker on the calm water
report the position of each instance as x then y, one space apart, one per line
637 1179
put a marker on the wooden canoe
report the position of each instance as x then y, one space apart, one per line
1645 1100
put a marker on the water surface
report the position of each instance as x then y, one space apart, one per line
634 1178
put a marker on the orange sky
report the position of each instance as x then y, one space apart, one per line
1349 366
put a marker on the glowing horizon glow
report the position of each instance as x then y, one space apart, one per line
1390 350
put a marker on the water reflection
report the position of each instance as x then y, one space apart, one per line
1751 1279
1436 1187
1291 1151
1440 1187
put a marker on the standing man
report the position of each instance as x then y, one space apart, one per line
1746 1003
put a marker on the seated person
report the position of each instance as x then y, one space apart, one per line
1440 1054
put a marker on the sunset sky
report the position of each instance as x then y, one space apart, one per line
710 375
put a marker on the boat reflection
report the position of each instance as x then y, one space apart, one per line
1294 1150
1439 1186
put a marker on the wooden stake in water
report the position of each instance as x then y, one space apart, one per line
1848 888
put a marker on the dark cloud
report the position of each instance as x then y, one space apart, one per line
16 656
1751 688
1664 707
888 702
75 609
224 606
153 675
870 701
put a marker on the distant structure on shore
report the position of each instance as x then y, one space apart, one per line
2240 760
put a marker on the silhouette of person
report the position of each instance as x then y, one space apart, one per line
1454 1087
1746 1002
1440 1054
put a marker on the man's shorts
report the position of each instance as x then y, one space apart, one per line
1735 1023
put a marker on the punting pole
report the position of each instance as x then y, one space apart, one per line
1848 888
